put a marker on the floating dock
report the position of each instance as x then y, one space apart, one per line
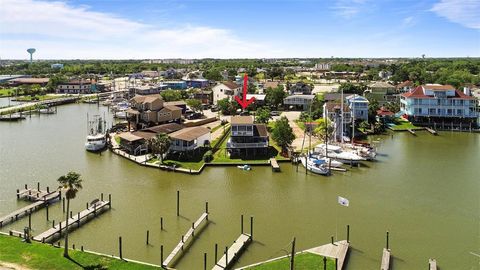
233 252
412 131
431 131
385 259
185 238
274 164
338 250
74 222
40 198
432 263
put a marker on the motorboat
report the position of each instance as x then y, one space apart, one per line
315 165
326 160
244 167
96 138
338 153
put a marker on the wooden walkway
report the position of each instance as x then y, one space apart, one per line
233 252
412 131
40 197
431 131
385 259
185 238
74 222
432 263
337 250
274 164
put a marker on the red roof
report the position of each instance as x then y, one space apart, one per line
384 112
418 92
405 83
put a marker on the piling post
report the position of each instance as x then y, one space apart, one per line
324 263
95 209
148 235
81 248
387 238
241 224
193 229
251 227
71 214
120 247
46 208
48 189
206 209
161 255
216 252
53 225
87 205
292 257
18 193
226 257
336 263
30 220
348 233
60 224
101 196
161 223
38 186
178 203
63 204
110 200
26 186
332 240
204 261
78 220
73 246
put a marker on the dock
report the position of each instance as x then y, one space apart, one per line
338 250
412 131
338 169
233 252
432 264
40 198
434 132
274 164
185 238
74 221
385 259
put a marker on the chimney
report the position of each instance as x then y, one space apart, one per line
466 91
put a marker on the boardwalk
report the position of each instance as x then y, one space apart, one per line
385 259
274 164
185 238
233 252
74 222
337 250
40 197
432 263
431 131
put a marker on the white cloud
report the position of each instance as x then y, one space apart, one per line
408 21
59 30
347 9
464 12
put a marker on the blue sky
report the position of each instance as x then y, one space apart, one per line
121 29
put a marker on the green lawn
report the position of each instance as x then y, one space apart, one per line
402 125
42 256
38 97
216 128
7 92
303 261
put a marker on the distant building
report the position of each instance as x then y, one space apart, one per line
227 89
29 81
440 104
190 139
205 96
146 89
382 92
56 66
383 74
358 105
405 87
247 138
197 83
259 99
322 66
176 85
77 87
150 73
298 102
301 88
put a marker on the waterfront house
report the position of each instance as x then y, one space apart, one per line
205 96
333 110
189 139
29 81
358 105
227 89
197 83
135 143
384 115
77 87
247 137
259 99
146 89
300 88
150 110
298 102
177 85
405 87
382 92
439 105
179 103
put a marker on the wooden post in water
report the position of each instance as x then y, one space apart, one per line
48 189
120 247
216 252
178 203
226 256
324 263
348 233
161 223
292 257
110 200
332 240
387 238
78 220
204 261
30 220
38 186
161 256
206 211
71 214
241 224
53 226
251 227
18 193
336 263
87 205
63 204
46 208
101 196
193 229
148 234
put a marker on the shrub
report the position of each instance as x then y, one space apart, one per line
208 156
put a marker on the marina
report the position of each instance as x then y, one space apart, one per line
148 194
233 252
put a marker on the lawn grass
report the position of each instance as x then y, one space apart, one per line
216 128
403 125
38 97
42 256
303 261
7 92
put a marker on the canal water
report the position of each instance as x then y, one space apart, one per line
424 190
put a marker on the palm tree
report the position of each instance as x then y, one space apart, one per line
159 145
71 183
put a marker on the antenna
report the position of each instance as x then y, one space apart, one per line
31 51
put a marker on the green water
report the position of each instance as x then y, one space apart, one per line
425 190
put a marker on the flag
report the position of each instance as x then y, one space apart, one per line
343 201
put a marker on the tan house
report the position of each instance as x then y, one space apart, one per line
227 89
189 139
382 92
150 110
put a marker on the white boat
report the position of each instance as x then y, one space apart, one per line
314 166
244 167
47 111
96 138
120 114
336 152
325 160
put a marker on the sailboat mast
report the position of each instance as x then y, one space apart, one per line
353 117
341 117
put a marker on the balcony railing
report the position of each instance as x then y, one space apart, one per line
242 133
231 144
183 148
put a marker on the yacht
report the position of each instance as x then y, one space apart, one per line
336 152
326 160
315 166
96 138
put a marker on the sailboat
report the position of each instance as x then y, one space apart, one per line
96 138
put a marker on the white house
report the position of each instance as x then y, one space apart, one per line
358 105
189 139
227 89
298 101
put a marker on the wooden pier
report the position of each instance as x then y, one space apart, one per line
431 131
412 132
274 164
185 238
432 264
338 250
385 259
233 252
73 222
40 198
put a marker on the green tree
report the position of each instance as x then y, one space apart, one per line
324 128
251 89
171 95
227 107
373 107
70 183
159 145
282 133
213 74
195 104
262 115
274 96
54 81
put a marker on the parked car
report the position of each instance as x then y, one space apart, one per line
215 109
274 113
194 116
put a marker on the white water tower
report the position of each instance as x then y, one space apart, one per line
31 51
